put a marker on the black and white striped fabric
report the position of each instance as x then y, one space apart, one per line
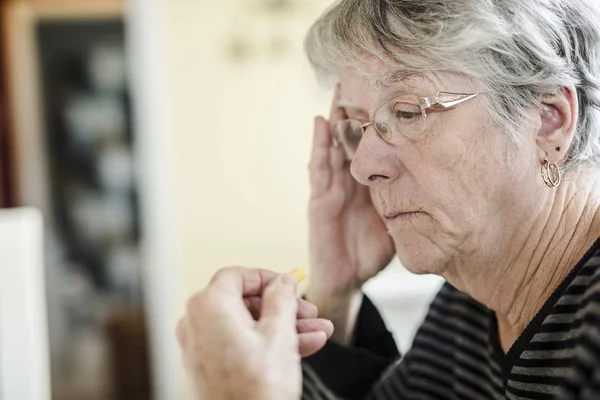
456 353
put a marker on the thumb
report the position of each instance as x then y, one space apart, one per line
279 306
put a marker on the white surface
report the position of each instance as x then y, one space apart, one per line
403 299
24 360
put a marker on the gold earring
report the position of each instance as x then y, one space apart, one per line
551 173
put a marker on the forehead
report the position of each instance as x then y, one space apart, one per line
376 81
356 87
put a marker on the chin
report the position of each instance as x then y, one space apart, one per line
419 255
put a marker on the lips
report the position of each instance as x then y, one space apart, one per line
398 217
394 215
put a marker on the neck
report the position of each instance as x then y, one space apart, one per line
527 274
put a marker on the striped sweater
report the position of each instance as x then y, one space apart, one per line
456 353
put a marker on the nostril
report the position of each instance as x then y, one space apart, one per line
373 178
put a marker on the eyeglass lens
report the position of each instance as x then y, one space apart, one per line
400 117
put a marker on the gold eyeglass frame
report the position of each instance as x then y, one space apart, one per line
440 102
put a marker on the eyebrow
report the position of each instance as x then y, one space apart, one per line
393 77
381 83
348 104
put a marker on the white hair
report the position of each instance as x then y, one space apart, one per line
517 50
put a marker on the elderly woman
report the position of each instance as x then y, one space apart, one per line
464 137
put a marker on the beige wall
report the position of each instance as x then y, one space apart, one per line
241 135
224 148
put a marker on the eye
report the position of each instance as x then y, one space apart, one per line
406 114
405 110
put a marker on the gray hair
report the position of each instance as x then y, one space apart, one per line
517 50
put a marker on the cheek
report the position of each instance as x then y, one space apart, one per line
442 158
464 154
455 173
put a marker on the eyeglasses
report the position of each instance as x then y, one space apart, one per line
404 116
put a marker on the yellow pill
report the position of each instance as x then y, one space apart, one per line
299 274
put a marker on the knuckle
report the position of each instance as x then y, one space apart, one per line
192 304
225 271
197 304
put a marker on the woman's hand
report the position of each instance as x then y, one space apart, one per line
243 336
349 242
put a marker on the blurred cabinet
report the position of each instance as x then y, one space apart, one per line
6 171
70 116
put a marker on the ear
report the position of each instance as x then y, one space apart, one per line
558 123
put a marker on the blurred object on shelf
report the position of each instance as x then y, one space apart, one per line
71 113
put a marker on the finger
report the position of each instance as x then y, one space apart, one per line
305 308
310 343
319 167
242 281
314 325
337 113
338 165
279 307
253 304
337 154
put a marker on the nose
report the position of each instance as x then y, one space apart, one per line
374 161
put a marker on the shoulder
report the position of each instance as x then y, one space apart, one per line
453 315
588 280
584 295
449 296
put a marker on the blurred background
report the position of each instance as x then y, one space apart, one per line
158 140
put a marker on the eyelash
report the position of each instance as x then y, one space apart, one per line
405 114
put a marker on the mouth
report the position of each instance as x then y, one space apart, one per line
397 217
